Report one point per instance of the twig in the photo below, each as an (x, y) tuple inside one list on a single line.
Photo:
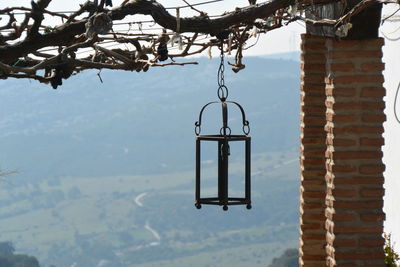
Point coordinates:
[(195, 9), (148, 62)]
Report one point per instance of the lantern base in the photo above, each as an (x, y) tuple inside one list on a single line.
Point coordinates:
[(229, 202)]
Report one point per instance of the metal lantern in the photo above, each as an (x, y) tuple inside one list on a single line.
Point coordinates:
[(223, 139)]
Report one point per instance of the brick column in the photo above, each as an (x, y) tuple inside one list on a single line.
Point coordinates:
[(354, 101), (312, 161)]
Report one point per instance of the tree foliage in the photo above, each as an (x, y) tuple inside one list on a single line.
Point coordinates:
[(289, 258), (32, 48), (6, 248), (391, 256), (9, 259)]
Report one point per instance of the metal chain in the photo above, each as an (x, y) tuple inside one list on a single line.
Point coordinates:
[(221, 78), (222, 89)]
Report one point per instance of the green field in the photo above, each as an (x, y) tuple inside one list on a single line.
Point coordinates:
[(96, 219)]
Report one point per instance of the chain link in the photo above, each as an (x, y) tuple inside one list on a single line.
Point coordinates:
[(222, 89)]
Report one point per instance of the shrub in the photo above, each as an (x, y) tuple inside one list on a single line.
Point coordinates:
[(391, 257)]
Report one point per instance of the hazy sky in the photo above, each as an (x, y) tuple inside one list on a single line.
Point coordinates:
[(288, 39)]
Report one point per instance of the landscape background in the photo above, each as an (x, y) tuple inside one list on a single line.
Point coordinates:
[(106, 170)]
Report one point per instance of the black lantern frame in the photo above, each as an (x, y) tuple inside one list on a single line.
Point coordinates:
[(223, 139)]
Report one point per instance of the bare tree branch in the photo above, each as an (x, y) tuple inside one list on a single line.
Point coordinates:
[(82, 40)]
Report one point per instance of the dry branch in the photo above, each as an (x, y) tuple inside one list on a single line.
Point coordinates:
[(57, 49)]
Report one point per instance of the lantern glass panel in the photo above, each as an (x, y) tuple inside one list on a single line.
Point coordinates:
[(224, 197), (209, 169), (236, 170)]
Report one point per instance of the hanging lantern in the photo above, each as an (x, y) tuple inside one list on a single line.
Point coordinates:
[(223, 139)]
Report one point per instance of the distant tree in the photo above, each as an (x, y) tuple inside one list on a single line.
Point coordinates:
[(6, 248), (74, 193), (5, 173), (19, 261), (289, 258), (9, 259)]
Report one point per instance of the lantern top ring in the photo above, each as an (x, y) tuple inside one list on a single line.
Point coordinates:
[(222, 92), (227, 131), (197, 129), (246, 128)]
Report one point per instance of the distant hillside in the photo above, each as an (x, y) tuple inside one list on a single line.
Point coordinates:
[(132, 122), (106, 173)]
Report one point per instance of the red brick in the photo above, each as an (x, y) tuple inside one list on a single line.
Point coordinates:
[(314, 131), (314, 120), (312, 78), (314, 89), (313, 47), (314, 217), (341, 67), (312, 99), (377, 242), (342, 169), (345, 242), (340, 54), (312, 226), (313, 257), (318, 195), (348, 265), (374, 92), (373, 217), (353, 154), (377, 263), (356, 205), (315, 162), (313, 140), (374, 118), (312, 206), (317, 153), (313, 67), (343, 217), (339, 229), (372, 141), (372, 192), (341, 118), (344, 193), (340, 141), (313, 183), (314, 236), (359, 79), (355, 130), (351, 106), (309, 57), (359, 181), (311, 44), (339, 255), (370, 44), (372, 67), (334, 91), (372, 169), (314, 173), (317, 109)]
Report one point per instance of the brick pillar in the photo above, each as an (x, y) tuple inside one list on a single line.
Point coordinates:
[(312, 160), (354, 101)]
